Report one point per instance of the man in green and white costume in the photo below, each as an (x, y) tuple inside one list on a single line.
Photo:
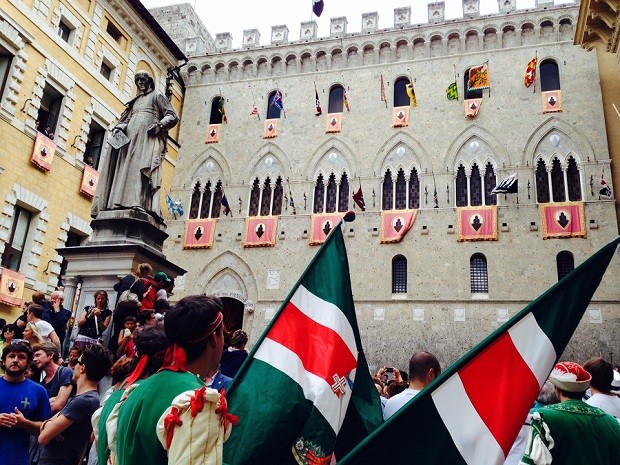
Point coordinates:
[(194, 329), (572, 432)]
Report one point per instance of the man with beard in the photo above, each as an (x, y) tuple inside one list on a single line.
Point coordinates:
[(22, 403)]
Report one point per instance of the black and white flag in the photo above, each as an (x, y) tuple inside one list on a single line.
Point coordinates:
[(507, 186)]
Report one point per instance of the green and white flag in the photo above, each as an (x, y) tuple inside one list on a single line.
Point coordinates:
[(305, 390), (472, 413)]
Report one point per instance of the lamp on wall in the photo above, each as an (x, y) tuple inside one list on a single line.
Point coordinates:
[(79, 136)]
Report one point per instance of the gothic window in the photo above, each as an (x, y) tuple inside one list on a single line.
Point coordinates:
[(278, 192), (399, 274), (414, 189), (336, 99), (273, 112), (217, 200), (461, 187), (194, 204), (206, 201), (215, 116), (557, 181), (475, 186), (343, 194), (573, 180), (265, 205), (254, 198), (565, 263), (542, 183), (401, 99), (401, 190), (489, 184), (332, 189), (549, 75), (470, 93), (478, 277), (388, 191), (319, 195)]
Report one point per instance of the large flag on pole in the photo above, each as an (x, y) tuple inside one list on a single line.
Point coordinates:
[(472, 412), (305, 389), (510, 185)]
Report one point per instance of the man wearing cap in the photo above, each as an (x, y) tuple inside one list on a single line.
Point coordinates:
[(172, 417), (572, 432), (160, 281)]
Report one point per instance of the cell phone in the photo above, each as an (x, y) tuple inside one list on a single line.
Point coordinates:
[(389, 369), (126, 332), (389, 372)]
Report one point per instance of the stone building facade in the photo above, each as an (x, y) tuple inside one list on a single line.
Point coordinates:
[(423, 292), (67, 65)]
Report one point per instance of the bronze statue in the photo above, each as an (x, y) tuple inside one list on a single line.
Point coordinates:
[(132, 163)]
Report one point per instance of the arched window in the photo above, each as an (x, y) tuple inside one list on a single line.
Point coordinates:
[(203, 203), (336, 99), (414, 189), (399, 274), (475, 186), (215, 116), (388, 191), (216, 205), (542, 183), (332, 189), (557, 181), (565, 263), (549, 75), (319, 195), (254, 198), (343, 194), (401, 99), (401, 193), (573, 181), (478, 277), (265, 204), (278, 194), (461, 187), (273, 112), (470, 93), (194, 204), (489, 184), (401, 190)]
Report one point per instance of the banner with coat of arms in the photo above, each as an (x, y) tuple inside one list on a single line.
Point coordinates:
[(334, 122), (552, 101), (322, 225), (472, 106), (213, 133), (270, 128), (395, 224), (199, 233), (11, 287), (260, 231), (43, 152), (563, 219), (477, 223), (90, 178), (400, 117)]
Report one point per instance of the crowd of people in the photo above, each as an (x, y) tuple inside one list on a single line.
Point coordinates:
[(169, 369)]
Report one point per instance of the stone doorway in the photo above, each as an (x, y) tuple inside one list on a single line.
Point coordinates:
[(233, 316)]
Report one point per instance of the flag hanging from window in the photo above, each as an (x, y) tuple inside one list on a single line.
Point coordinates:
[(220, 107), (333, 123), (472, 106), (477, 223), (358, 198), (452, 92), (395, 224), (90, 179), (322, 225), (226, 206), (317, 7), (552, 101), (605, 190), (213, 134), (11, 287), (563, 219), (346, 100), (199, 233), (305, 389), (383, 97), (411, 93), (478, 77), (400, 117), (530, 72), (43, 152), (510, 185), (277, 100), (318, 112), (270, 128)]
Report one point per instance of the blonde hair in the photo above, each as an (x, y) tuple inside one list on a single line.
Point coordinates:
[(35, 332)]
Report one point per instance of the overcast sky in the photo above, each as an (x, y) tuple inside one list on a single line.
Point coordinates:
[(236, 15)]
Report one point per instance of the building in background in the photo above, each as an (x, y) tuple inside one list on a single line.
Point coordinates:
[(66, 72)]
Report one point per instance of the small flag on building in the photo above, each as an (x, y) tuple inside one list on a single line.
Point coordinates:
[(221, 109), (317, 7), (226, 206), (464, 422), (510, 185), (472, 106), (358, 198), (277, 100), (383, 97), (452, 92), (254, 111), (530, 72), (605, 190), (346, 100), (411, 93), (318, 112), (478, 77), (175, 207), (305, 390)]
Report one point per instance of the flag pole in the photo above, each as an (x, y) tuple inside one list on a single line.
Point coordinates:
[(455, 83), (535, 71)]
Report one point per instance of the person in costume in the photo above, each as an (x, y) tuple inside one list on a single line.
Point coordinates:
[(572, 432), (159, 418)]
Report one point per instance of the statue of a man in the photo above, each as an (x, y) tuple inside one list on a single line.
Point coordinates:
[(131, 165)]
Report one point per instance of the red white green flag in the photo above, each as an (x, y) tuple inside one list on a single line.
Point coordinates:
[(472, 413), (305, 390)]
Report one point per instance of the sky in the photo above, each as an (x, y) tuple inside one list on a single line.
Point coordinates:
[(235, 16)]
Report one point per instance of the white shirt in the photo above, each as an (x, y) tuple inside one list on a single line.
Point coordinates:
[(394, 404), (608, 403), (45, 329)]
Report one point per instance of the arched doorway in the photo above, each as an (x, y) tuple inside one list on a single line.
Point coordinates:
[(233, 316)]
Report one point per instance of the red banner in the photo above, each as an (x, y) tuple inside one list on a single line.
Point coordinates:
[(213, 134), (477, 223), (334, 122), (43, 152), (260, 231), (552, 101), (395, 224), (565, 219), (199, 234), (90, 178), (322, 225), (270, 129), (11, 287), (400, 117)]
